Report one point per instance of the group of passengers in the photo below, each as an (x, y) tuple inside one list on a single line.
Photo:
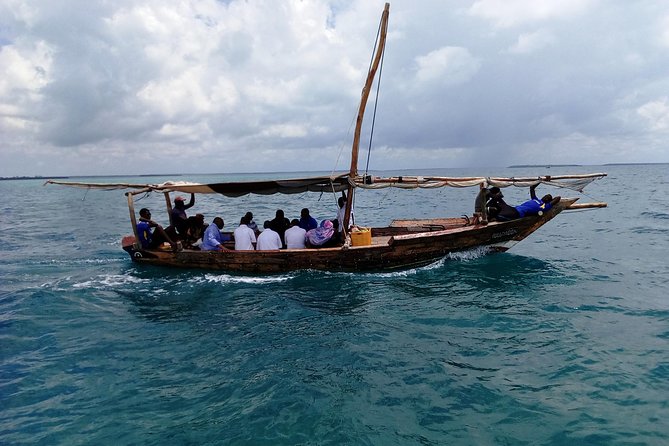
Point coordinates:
[(278, 233)]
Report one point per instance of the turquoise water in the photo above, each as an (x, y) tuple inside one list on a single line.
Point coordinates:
[(561, 341)]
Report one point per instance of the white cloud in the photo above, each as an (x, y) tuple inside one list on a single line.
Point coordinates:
[(89, 87), (656, 114), (531, 42), (508, 13), (664, 30), (449, 65)]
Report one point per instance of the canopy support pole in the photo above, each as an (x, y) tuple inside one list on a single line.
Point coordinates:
[(484, 209), (133, 218), (169, 206)]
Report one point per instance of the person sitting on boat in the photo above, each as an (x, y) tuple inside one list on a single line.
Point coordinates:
[(341, 213), (534, 206), (279, 224), (481, 200), (195, 231), (321, 235), (269, 239), (213, 239), (245, 237), (307, 222), (496, 204), (295, 236), (178, 215), (151, 239), (251, 224)]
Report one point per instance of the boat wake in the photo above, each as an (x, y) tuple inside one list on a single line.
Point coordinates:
[(110, 281), (228, 279), (469, 255)]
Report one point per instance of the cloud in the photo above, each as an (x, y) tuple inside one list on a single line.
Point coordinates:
[(656, 113), (531, 42), (449, 65), (188, 86), (663, 27), (509, 13)]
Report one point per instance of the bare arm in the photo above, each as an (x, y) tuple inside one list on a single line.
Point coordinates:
[(532, 194), (191, 202)]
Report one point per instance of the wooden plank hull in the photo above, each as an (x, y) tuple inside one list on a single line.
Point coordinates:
[(393, 248)]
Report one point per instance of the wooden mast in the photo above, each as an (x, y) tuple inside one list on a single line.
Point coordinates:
[(361, 112)]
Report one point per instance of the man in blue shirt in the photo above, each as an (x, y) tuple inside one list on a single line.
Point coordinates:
[(307, 222), (212, 239), (151, 239), (534, 206)]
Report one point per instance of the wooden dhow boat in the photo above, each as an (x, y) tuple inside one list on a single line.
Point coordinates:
[(403, 244)]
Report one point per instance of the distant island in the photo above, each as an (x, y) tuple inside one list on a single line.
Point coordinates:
[(32, 178), (39, 177), (518, 166)]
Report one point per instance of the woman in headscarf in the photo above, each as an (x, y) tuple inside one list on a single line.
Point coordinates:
[(321, 235)]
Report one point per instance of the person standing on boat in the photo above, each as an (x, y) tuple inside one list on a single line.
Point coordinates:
[(269, 239), (212, 240), (307, 222), (245, 237), (295, 236), (151, 239), (178, 215)]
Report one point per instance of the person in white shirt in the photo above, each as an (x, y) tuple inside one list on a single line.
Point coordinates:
[(295, 236), (245, 238), (341, 213), (269, 239)]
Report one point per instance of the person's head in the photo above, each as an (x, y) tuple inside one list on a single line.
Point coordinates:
[(341, 201), (280, 214), (200, 217), (179, 202), (145, 213), (218, 221), (267, 224), (496, 192), (245, 220), (547, 198), (295, 222), (304, 213), (249, 216), (327, 224)]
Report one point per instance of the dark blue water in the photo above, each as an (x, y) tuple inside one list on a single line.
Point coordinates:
[(562, 341)]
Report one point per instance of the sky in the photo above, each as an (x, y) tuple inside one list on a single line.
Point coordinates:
[(134, 87)]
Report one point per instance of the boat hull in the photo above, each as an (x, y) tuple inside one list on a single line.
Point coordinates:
[(402, 248)]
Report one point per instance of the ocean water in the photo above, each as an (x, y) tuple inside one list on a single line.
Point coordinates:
[(564, 340)]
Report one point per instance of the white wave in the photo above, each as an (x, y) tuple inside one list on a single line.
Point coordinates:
[(109, 280), (470, 254), (80, 261), (225, 278)]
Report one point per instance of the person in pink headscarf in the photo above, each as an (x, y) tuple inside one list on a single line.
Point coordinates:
[(321, 235)]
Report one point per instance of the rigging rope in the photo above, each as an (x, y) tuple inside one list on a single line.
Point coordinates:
[(376, 103), (376, 99)]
